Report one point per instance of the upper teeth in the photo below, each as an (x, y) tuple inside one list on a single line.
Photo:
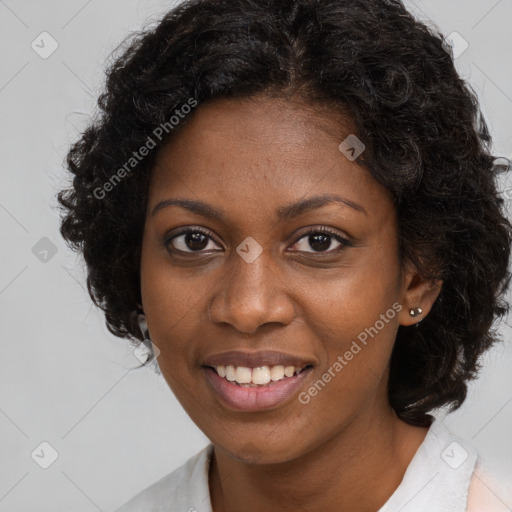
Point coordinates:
[(259, 375)]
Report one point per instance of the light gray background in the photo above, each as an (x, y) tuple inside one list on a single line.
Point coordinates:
[(64, 378)]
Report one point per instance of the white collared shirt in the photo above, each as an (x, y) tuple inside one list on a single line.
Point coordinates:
[(445, 475)]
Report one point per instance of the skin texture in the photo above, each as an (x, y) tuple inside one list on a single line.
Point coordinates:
[(346, 449)]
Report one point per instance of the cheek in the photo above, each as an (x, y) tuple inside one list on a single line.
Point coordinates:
[(352, 298), (353, 317), (169, 292), (355, 339), (173, 310)]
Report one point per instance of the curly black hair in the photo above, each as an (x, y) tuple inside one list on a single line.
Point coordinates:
[(426, 142)]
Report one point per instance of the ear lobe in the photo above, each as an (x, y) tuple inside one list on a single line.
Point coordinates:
[(420, 293)]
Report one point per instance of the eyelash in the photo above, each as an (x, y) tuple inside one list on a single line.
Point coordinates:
[(320, 230)]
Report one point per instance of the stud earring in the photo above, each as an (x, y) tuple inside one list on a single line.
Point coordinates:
[(415, 311)]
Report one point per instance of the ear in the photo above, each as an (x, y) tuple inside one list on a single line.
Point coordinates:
[(417, 292)]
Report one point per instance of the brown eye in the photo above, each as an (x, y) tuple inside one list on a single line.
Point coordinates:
[(189, 240), (321, 239)]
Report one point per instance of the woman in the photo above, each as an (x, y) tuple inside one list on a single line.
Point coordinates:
[(294, 205)]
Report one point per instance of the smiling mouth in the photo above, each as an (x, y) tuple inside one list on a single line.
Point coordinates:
[(260, 376)]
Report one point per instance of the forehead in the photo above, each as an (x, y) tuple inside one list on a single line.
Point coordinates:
[(262, 151)]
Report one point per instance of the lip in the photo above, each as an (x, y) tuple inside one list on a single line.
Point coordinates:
[(255, 359), (254, 399)]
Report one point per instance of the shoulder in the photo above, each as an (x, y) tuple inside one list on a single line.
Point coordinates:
[(186, 488), (489, 491), (438, 476), (474, 485)]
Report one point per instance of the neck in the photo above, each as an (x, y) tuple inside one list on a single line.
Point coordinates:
[(357, 469)]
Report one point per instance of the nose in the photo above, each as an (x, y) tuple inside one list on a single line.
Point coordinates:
[(251, 295)]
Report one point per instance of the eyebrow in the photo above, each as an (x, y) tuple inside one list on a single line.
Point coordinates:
[(284, 212)]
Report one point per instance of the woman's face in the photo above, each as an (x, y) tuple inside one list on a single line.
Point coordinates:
[(259, 278)]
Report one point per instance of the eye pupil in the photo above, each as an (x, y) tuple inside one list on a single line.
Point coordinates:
[(319, 242), (196, 241)]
